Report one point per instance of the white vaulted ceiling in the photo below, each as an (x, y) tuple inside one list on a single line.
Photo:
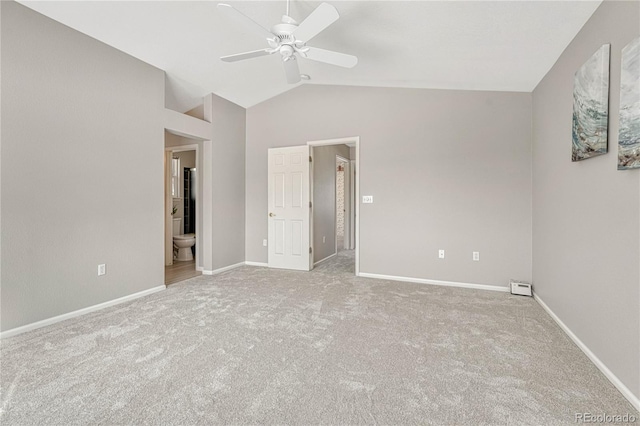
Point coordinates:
[(473, 45)]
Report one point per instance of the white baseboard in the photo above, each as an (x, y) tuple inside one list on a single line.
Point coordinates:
[(326, 258), (435, 282), (265, 265), (633, 399), (53, 320), (223, 269)]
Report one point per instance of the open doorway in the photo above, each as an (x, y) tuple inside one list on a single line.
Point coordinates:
[(334, 189), (182, 245)]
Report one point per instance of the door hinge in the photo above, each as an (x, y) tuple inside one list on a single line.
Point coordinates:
[(310, 159), (310, 204), (310, 250)]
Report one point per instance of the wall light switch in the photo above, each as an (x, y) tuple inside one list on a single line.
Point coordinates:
[(264, 243), (324, 240), (102, 269), (441, 254), (476, 256), (367, 199)]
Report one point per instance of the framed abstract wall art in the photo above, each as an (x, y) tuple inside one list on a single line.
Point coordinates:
[(629, 133), (591, 106)]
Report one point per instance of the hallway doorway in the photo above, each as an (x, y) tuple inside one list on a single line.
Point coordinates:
[(334, 207)]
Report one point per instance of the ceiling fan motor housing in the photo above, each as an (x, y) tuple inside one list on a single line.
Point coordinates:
[(284, 32)]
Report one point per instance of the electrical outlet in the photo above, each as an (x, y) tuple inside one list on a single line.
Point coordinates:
[(264, 243), (476, 256), (102, 269), (441, 254), (367, 199)]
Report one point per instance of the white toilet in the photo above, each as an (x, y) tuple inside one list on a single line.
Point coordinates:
[(182, 242)]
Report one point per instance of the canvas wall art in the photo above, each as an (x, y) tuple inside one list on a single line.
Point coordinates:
[(629, 134), (591, 106)]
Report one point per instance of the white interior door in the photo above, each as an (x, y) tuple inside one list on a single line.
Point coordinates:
[(289, 209)]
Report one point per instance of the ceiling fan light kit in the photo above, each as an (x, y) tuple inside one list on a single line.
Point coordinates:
[(290, 39)]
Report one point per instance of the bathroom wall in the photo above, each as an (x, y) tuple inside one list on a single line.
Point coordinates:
[(81, 121), (187, 159)]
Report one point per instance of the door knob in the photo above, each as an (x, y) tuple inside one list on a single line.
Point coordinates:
[(271, 215)]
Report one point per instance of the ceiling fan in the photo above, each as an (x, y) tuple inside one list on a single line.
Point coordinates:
[(289, 39)]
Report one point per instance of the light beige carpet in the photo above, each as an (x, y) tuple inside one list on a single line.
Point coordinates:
[(256, 346)]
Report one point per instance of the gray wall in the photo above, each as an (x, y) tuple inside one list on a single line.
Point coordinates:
[(82, 170), (324, 198), (586, 215), (229, 134), (448, 170)]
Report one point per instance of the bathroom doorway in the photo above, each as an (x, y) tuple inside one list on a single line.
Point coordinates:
[(181, 197)]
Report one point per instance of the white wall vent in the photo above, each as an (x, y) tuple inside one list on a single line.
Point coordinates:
[(521, 288)]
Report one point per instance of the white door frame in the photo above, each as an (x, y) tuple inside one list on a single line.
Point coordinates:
[(352, 203), (199, 204), (344, 141)]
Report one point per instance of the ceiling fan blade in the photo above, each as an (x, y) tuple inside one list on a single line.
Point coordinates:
[(242, 19), (323, 16), (292, 71), (246, 55), (331, 57)]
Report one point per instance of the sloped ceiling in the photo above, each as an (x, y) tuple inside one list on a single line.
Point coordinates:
[(473, 45)]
